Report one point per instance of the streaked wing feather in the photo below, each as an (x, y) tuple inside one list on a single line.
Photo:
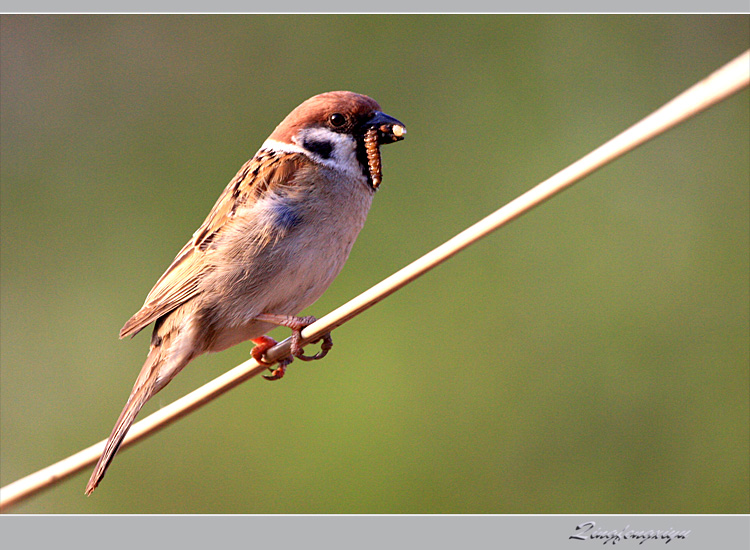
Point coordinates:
[(180, 282)]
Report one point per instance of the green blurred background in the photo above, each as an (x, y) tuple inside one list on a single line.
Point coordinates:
[(590, 357)]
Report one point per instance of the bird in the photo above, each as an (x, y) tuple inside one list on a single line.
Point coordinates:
[(276, 238)]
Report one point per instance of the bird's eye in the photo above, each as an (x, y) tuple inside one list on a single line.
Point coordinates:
[(337, 120)]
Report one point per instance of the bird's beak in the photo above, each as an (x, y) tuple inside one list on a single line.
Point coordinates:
[(389, 129), (381, 129)]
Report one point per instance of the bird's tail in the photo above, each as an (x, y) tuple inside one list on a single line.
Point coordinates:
[(144, 388)]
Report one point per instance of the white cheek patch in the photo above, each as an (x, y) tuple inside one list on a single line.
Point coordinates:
[(340, 148), (338, 151), (321, 145)]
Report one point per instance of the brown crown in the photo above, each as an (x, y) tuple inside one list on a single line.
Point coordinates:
[(317, 109)]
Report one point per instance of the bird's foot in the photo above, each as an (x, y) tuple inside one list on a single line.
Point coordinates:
[(297, 324), (262, 345)]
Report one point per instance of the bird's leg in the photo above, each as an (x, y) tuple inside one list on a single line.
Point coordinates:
[(262, 345), (297, 324)]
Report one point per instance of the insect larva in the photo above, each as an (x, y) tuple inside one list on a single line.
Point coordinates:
[(373, 156)]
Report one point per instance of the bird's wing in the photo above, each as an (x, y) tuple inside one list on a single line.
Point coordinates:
[(265, 172)]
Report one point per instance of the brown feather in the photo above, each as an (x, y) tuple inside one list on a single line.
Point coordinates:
[(275, 239), (266, 171), (142, 391), (320, 107)]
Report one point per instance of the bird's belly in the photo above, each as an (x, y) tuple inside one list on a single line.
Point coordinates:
[(283, 277), (301, 281)]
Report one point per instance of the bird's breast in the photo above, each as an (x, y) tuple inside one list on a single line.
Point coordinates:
[(283, 252)]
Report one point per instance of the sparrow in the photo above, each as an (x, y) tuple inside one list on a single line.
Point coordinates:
[(274, 241)]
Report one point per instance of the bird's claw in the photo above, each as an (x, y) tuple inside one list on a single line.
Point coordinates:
[(325, 347), (297, 324), (278, 372), (262, 345)]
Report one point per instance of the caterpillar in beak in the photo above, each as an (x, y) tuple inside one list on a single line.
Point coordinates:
[(373, 156)]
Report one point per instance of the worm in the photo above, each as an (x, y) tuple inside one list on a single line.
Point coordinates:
[(373, 156)]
